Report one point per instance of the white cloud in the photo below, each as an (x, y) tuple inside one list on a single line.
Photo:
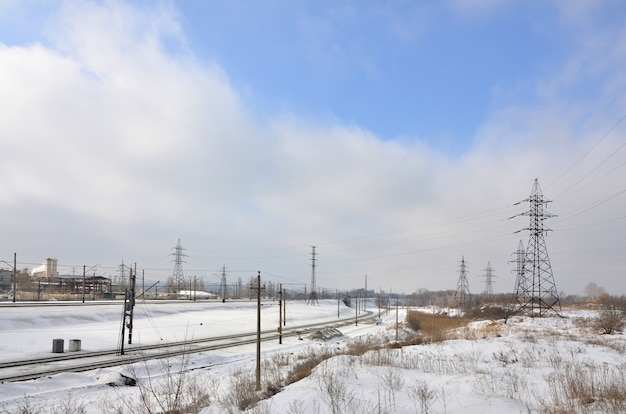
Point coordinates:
[(114, 143)]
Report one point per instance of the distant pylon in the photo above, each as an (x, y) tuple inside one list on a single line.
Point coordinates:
[(489, 281), (313, 294), (462, 294), (178, 278), (535, 290), (520, 290)]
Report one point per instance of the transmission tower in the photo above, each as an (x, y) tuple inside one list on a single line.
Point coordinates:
[(520, 289), (122, 279), (178, 279), (462, 294), (489, 281), (313, 295), (535, 291)]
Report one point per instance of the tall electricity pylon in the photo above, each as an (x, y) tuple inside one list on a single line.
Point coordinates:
[(489, 281), (178, 278), (462, 294), (519, 292), (535, 291), (313, 295)]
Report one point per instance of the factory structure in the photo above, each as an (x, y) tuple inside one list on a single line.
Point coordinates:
[(45, 282)]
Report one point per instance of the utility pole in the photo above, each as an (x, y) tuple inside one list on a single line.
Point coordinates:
[(356, 311), (284, 307), (366, 295), (280, 314), (14, 276), (129, 303), (133, 276), (313, 294), (223, 283), (396, 317), (337, 294), (258, 289), (84, 283)]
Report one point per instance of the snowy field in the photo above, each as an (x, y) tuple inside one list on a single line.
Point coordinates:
[(549, 365)]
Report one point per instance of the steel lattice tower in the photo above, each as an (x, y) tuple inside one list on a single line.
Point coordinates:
[(520, 288), (489, 280), (535, 290), (178, 278), (313, 295), (462, 294)]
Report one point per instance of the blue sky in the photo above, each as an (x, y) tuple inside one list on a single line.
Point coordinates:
[(397, 69), (395, 136)]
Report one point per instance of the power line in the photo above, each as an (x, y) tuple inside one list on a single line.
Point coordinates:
[(606, 134)]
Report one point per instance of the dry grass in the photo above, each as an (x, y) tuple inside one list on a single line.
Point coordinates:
[(434, 327), (582, 387), (307, 363)]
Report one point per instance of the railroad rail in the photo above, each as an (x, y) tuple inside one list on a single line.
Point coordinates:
[(23, 370)]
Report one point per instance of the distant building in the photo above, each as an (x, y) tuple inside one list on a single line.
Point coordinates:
[(47, 269), (6, 277)]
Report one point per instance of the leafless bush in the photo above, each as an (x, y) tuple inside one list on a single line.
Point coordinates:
[(335, 393), (24, 406), (394, 382), (515, 384), (360, 346), (486, 384), (379, 357), (296, 407), (68, 405), (611, 315), (443, 397), (172, 390), (422, 396), (241, 392), (529, 357), (505, 357)]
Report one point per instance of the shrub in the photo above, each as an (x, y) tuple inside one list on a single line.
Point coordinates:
[(611, 315)]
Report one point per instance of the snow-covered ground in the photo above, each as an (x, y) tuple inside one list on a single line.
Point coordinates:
[(526, 365)]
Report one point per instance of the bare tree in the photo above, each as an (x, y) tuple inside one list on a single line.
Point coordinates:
[(611, 316)]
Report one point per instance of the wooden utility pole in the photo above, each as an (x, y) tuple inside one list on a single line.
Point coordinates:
[(280, 314), (84, 283), (284, 307), (133, 276), (14, 276), (396, 317), (258, 289)]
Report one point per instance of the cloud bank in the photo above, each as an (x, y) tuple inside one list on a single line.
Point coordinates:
[(117, 140)]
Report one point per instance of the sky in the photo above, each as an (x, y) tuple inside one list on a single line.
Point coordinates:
[(395, 137)]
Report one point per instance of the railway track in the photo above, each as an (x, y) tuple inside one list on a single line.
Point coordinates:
[(22, 370)]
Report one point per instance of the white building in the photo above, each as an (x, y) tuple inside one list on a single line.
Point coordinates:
[(47, 269)]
